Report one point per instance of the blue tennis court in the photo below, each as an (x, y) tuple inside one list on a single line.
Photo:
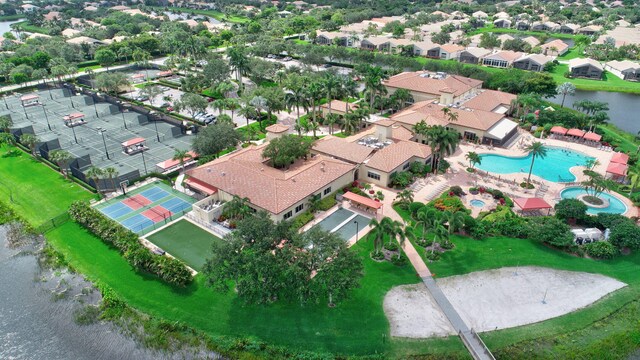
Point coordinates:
[(154, 194), (175, 205), (137, 223), (116, 210)]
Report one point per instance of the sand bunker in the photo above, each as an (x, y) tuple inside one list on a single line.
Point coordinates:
[(494, 299)]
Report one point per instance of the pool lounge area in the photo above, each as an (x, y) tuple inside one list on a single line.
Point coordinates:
[(612, 204), (554, 167)]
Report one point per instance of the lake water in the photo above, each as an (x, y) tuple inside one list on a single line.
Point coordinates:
[(623, 108), (34, 326), (6, 26), (184, 16)]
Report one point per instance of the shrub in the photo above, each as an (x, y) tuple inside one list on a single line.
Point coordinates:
[(432, 256), (625, 234), (448, 203), (447, 244), (399, 260), (424, 242), (109, 231), (551, 231), (414, 207), (570, 209), (601, 250), (377, 255), (401, 179), (302, 219), (611, 220), (479, 230), (327, 203), (456, 190), (391, 245)]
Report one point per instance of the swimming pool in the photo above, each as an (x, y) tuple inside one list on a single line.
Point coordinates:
[(343, 223), (477, 203), (553, 167), (615, 206)]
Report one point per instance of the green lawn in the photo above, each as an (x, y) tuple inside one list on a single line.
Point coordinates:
[(492, 29), (185, 241), (610, 82), (628, 142), (39, 192), (573, 53), (26, 26)]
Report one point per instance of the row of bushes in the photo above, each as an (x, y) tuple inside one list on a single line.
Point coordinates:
[(302, 219), (168, 269)]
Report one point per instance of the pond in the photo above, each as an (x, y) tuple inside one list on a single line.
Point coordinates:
[(6, 26), (623, 108)]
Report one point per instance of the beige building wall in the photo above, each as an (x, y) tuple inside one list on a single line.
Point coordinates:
[(385, 177)]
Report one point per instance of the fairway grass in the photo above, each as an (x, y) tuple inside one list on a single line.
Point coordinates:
[(610, 82), (39, 193), (185, 241)]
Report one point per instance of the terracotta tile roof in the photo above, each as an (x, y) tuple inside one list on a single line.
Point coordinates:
[(432, 114), (506, 55), (246, 174), (385, 122), (488, 100), (477, 51), (531, 40), (623, 65), (558, 44), (395, 154), (415, 82), (277, 128), (342, 149), (537, 58), (578, 62), (339, 105), (451, 48), (399, 132)]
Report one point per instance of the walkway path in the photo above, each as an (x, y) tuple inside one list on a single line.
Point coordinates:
[(471, 340)]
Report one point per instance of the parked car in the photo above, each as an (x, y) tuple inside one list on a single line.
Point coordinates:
[(170, 108), (326, 66), (142, 98), (287, 58), (210, 120)]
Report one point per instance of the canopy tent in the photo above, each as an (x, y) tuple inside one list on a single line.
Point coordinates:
[(620, 158), (617, 169), (134, 146), (165, 73), (74, 119), (134, 141), (558, 130), (28, 100), (501, 129), (575, 132), (594, 233), (531, 204), (362, 200), (171, 163), (200, 186), (591, 136)]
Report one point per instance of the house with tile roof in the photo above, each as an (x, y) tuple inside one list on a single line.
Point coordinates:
[(502, 23), (532, 62), (472, 55), (490, 100), (445, 52), (586, 68), (424, 85), (472, 124), (283, 193), (501, 59), (555, 48), (625, 70)]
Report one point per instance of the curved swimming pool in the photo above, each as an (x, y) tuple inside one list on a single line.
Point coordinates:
[(553, 167), (615, 205)]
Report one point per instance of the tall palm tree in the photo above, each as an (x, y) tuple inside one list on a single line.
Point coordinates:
[(95, 173), (451, 115), (441, 140), (373, 77), (30, 141), (248, 111), (403, 233), (399, 98), (111, 174), (349, 89), (353, 120), (181, 156), (565, 89), (474, 159), (296, 98), (440, 235), (260, 104), (537, 149), (455, 220), (380, 229), (62, 158), (237, 208), (314, 92), (634, 180), (331, 85), (238, 60), (404, 198)]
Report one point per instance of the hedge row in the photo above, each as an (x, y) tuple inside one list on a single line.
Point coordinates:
[(166, 268)]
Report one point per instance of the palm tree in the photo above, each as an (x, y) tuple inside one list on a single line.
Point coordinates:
[(62, 158), (634, 180), (260, 104), (181, 156), (404, 198), (440, 235), (474, 159), (238, 60), (349, 89), (95, 173), (450, 114), (565, 89), (237, 208), (313, 92), (248, 111), (5, 123), (112, 175), (331, 85), (401, 234), (124, 52), (7, 139), (373, 76), (537, 149), (380, 229), (441, 140), (232, 105), (30, 141), (455, 220), (296, 98), (352, 121), (399, 98)]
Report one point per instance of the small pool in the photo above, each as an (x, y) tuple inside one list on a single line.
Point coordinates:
[(553, 167), (615, 205), (477, 203), (343, 223)]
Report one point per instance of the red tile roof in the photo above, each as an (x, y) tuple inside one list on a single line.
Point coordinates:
[(620, 158), (559, 130), (617, 169), (527, 204), (415, 82), (362, 200)]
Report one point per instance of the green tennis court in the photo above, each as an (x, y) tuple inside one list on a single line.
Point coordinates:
[(186, 242)]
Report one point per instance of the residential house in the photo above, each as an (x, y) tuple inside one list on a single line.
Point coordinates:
[(532, 62), (52, 16), (625, 70), (342, 149), (502, 23), (84, 40), (284, 193), (459, 15), (423, 85), (472, 55), (490, 100), (501, 15), (488, 127), (445, 52), (422, 48), (589, 30), (379, 43), (91, 8), (544, 26), (555, 48), (586, 68), (568, 28), (531, 40), (335, 37), (480, 15), (338, 107), (622, 35), (502, 59), (69, 33), (504, 37), (28, 8), (523, 25)]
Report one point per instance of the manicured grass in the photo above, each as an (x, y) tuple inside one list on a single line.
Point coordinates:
[(356, 326), (490, 28), (39, 193), (610, 82), (627, 142), (26, 26), (11, 17), (573, 53), (186, 242)]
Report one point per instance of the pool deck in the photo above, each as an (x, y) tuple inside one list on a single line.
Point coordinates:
[(321, 215), (507, 182)]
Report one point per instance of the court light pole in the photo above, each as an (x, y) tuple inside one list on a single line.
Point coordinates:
[(74, 133), (95, 108), (357, 229), (46, 116), (105, 143), (124, 121), (5, 102), (155, 122), (143, 162)]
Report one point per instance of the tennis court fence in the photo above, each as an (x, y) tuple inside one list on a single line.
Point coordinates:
[(53, 223), (143, 229)]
